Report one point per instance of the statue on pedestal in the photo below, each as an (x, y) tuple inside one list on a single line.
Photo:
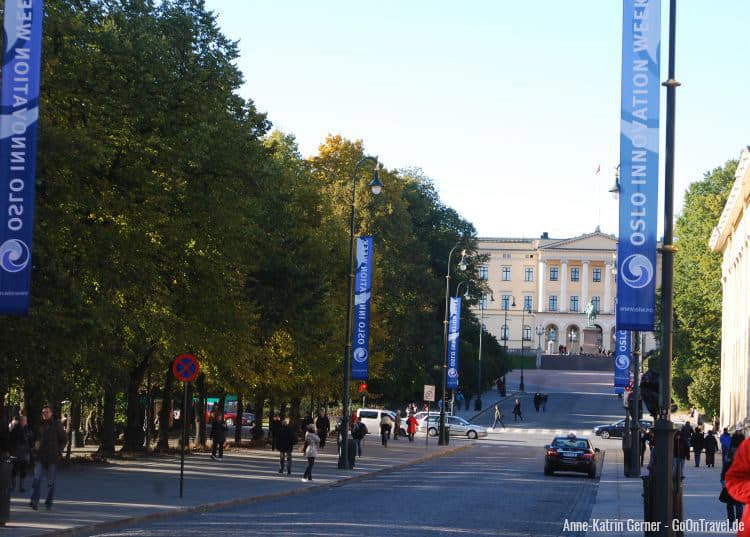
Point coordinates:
[(591, 312)]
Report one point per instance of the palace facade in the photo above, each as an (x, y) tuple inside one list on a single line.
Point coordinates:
[(539, 289)]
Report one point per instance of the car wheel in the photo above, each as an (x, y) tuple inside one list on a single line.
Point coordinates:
[(230, 422), (432, 431), (605, 434), (548, 471), (472, 434)]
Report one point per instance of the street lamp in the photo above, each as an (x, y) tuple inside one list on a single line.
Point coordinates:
[(376, 187), (443, 435), (505, 331), (615, 190), (539, 334), (482, 302), (523, 320)]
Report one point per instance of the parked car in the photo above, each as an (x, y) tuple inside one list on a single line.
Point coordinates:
[(456, 425), (570, 454), (617, 429), (230, 415), (371, 418)]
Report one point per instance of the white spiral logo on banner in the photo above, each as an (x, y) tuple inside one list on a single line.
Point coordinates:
[(452, 373), (637, 271), (14, 255), (622, 361), (360, 354)]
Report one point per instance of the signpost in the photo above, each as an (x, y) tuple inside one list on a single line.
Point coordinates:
[(186, 368), (428, 395)]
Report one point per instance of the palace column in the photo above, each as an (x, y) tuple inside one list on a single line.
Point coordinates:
[(564, 285), (607, 307), (541, 304), (585, 284)]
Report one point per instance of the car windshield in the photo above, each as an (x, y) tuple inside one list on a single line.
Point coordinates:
[(570, 443)]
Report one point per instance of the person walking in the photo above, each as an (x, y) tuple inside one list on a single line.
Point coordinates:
[(21, 440), (386, 423), (323, 426), (711, 446), (49, 440), (358, 433), (681, 454), (537, 401), (273, 431), (544, 402), (285, 443), (498, 417), (411, 427), (725, 440), (397, 425), (218, 433), (517, 411), (735, 508), (90, 426), (696, 440), (310, 449)]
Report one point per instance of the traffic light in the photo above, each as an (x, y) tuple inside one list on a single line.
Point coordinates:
[(650, 391)]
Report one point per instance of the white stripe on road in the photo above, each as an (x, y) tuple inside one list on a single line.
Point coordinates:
[(552, 432)]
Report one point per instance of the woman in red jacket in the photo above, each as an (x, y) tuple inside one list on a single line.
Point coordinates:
[(738, 484)]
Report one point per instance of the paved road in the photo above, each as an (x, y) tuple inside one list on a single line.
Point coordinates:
[(495, 488)]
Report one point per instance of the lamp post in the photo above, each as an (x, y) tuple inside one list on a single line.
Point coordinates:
[(523, 321), (443, 434), (376, 187), (664, 429), (478, 404), (505, 329), (539, 334)]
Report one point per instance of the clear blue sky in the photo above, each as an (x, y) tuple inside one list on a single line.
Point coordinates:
[(508, 106)]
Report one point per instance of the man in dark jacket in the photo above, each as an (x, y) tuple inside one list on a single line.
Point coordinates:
[(49, 442), (323, 425), (285, 443)]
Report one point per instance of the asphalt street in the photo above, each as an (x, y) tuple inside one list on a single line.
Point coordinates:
[(494, 488)]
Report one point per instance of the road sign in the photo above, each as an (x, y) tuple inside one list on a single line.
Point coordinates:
[(429, 393), (185, 367)]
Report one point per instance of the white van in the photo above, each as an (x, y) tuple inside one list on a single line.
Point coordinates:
[(371, 418)]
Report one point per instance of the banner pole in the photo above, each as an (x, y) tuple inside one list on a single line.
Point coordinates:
[(184, 433)]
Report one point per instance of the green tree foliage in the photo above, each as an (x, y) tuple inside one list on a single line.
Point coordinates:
[(697, 290)]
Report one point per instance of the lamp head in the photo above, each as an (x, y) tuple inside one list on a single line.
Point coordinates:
[(376, 186), (615, 190), (462, 263), (513, 305)]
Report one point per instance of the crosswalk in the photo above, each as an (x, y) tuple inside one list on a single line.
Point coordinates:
[(547, 432)]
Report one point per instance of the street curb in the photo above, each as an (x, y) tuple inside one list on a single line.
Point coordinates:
[(83, 531)]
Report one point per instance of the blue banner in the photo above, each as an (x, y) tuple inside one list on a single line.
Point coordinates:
[(622, 360), (454, 326), (361, 328), (18, 139), (639, 162)]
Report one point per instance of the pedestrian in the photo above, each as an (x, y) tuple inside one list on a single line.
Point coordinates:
[(21, 440), (218, 433), (645, 435), (517, 411), (49, 440), (545, 397), (687, 432), (323, 426), (397, 425), (681, 454), (498, 417), (310, 449), (358, 433), (411, 427), (91, 426), (725, 439), (696, 440), (735, 508), (386, 423), (307, 420), (285, 443), (537, 401), (273, 431), (711, 446)]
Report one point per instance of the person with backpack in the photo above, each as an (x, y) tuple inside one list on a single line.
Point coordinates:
[(386, 424), (358, 433)]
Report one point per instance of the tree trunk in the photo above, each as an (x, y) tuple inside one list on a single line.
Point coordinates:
[(238, 423), (200, 411), (108, 426), (134, 426), (76, 412), (258, 411), (165, 414), (282, 410), (294, 413)]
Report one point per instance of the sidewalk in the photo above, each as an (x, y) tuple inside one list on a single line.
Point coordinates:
[(93, 497), (619, 499)]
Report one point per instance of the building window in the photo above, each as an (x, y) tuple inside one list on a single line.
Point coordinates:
[(506, 302), (528, 274), (527, 333), (483, 302), (575, 274), (573, 303), (553, 302), (597, 274), (528, 302), (483, 273), (504, 332), (596, 301), (506, 256), (506, 274), (553, 274)]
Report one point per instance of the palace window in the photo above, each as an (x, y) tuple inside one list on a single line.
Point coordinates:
[(506, 302), (553, 302), (597, 302), (573, 303), (575, 274), (527, 333), (553, 274), (528, 274), (504, 332), (483, 302), (597, 274), (528, 302), (506, 274)]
